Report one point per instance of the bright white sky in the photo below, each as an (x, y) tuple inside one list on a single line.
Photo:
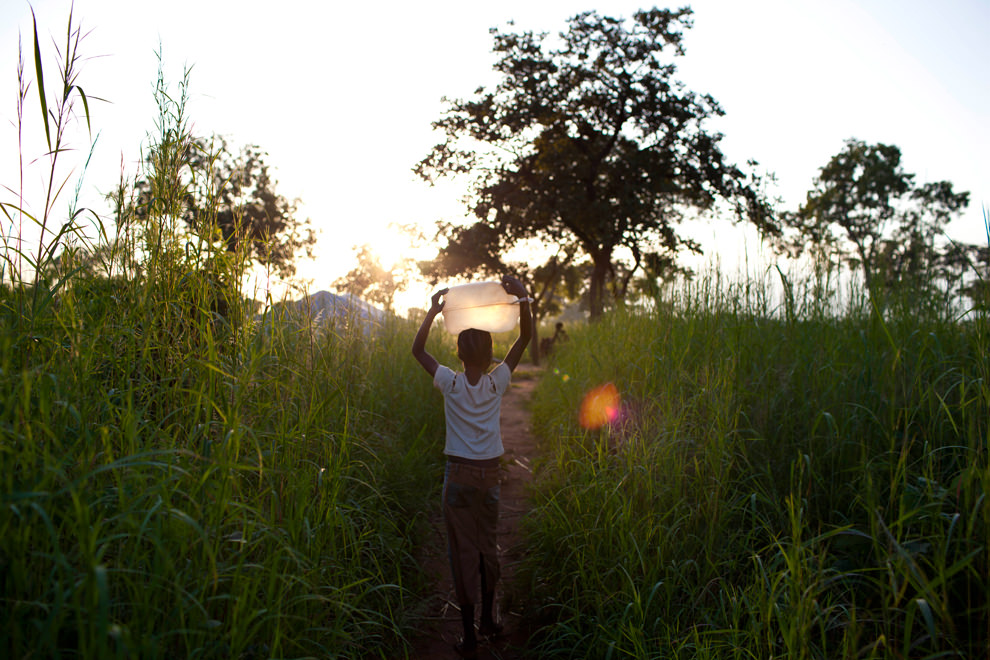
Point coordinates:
[(342, 96)]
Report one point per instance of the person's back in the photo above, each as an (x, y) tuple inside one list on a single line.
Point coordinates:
[(472, 399)]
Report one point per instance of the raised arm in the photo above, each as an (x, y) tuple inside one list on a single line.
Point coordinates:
[(419, 343), (516, 288)]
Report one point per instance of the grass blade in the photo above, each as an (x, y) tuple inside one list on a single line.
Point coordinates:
[(41, 80)]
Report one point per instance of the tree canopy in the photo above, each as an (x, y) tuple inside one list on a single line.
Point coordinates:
[(873, 214), (232, 197), (588, 139)]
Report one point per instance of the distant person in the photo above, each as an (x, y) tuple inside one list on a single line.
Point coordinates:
[(472, 404), (547, 343)]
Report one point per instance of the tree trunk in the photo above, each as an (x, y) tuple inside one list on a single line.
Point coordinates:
[(867, 258), (597, 286), (534, 343)]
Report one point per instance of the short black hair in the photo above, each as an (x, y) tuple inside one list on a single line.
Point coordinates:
[(475, 347)]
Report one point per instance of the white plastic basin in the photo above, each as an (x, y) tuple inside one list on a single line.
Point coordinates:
[(480, 305)]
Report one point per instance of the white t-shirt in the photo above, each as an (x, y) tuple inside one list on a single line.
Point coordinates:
[(472, 411)]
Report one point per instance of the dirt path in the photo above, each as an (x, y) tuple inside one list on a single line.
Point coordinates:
[(442, 623)]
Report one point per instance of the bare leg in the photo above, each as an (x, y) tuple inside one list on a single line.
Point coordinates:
[(488, 627), (468, 648)]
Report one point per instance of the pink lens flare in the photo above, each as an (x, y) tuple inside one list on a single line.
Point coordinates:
[(600, 407)]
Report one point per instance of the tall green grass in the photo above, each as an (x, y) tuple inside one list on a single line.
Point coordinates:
[(808, 480), (185, 473), (180, 477)]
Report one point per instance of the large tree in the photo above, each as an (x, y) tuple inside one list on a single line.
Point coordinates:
[(870, 211), (231, 196), (589, 138)]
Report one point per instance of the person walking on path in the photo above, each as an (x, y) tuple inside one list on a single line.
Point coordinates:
[(473, 446)]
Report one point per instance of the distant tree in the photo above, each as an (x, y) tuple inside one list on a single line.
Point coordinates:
[(589, 139), (658, 268), (558, 281), (967, 267), (865, 206), (372, 282), (231, 197)]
